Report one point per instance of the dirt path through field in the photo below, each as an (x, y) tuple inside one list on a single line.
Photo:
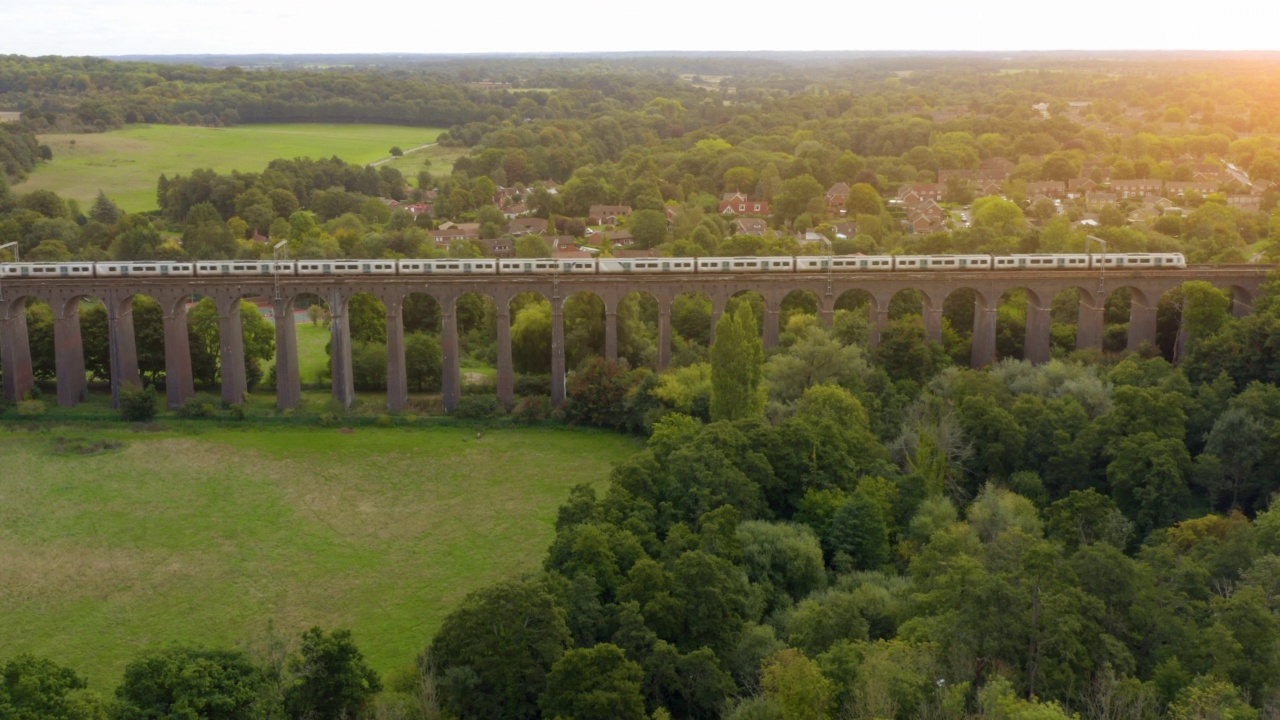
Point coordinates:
[(385, 160)]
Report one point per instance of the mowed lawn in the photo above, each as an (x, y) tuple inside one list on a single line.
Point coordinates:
[(127, 163), (211, 538)]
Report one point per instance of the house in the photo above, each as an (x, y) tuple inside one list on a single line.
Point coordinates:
[(929, 208), (1145, 214), (607, 214), (744, 207), (443, 238), (1251, 203), (845, 229), (733, 197), (809, 237), (923, 224), (912, 195), (1180, 188), (527, 226), (508, 196), (1095, 201), (1137, 188), (987, 187), (417, 209), (514, 211), (499, 247), (620, 238), (1081, 185), (672, 211), (837, 195), (750, 226), (1048, 188), (1038, 197)]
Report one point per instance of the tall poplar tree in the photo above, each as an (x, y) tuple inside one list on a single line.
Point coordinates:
[(737, 366)]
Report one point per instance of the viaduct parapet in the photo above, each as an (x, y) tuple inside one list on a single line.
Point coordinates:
[(64, 296)]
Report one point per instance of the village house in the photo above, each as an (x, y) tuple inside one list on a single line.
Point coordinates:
[(508, 196), (1251, 203), (1080, 186), (1095, 201), (845, 229), (1137, 188), (1048, 188), (913, 195), (619, 238), (564, 247), (499, 247), (512, 212), (922, 224), (607, 214), (741, 206), (443, 238), (984, 188), (750, 226), (1179, 188), (837, 195), (527, 226)]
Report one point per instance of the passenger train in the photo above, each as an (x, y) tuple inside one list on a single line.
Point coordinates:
[(601, 266)]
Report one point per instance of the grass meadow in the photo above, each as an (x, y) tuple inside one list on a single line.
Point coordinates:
[(211, 535), (127, 163)]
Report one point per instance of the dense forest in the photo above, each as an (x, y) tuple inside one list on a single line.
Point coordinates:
[(826, 530)]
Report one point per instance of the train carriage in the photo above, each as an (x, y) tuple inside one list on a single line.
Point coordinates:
[(532, 266), (144, 269), (346, 267), (448, 267), (644, 266), (862, 263), (745, 264), (47, 270), (242, 268)]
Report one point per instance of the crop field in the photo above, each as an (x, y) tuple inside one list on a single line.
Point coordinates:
[(127, 163), (209, 535)]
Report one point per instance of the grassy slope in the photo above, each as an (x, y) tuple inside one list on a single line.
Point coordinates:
[(206, 538), (127, 163)]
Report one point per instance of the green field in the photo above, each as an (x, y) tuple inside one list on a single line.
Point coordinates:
[(206, 536), (127, 163)]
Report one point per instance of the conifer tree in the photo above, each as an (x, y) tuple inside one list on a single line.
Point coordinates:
[(737, 367)]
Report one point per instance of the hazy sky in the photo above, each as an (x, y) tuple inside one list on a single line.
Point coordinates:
[(121, 27)]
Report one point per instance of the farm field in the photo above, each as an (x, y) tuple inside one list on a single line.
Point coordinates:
[(127, 163), (208, 535)]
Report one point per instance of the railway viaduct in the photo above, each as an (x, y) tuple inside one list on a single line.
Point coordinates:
[(64, 296)]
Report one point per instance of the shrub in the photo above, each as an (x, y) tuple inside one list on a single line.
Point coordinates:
[(194, 407), (526, 385), (138, 404), (533, 409), (597, 395), (31, 408), (329, 420), (483, 387), (236, 411), (477, 407)]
